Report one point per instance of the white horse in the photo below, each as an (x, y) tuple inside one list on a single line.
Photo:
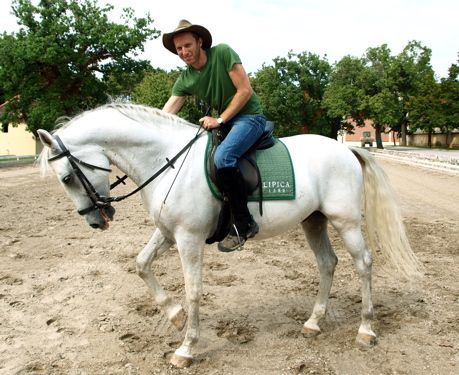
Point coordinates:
[(329, 177)]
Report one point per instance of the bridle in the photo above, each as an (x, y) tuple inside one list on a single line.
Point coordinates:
[(99, 201)]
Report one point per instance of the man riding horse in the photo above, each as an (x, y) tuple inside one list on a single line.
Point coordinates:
[(216, 76)]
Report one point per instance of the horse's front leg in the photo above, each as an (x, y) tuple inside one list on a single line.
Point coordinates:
[(157, 245), (190, 250)]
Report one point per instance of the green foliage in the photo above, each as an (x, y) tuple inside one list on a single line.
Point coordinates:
[(155, 89), (436, 104), (280, 99), (122, 77), (378, 86), (291, 92), (424, 107), (344, 96), (66, 57), (449, 88)]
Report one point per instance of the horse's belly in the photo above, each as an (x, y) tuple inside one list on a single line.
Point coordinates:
[(281, 216)]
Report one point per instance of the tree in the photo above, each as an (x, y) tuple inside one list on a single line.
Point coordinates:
[(424, 108), (344, 96), (378, 86), (381, 100), (449, 99), (155, 89), (436, 104), (411, 70), (121, 79), (66, 57), (281, 99), (291, 92)]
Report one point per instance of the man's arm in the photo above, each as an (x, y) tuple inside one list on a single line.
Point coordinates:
[(244, 91), (174, 104)]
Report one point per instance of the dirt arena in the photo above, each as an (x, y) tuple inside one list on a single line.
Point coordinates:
[(71, 302)]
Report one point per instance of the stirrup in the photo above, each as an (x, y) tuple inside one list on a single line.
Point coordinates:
[(238, 242)]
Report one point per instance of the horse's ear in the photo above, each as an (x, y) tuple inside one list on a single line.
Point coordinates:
[(46, 138)]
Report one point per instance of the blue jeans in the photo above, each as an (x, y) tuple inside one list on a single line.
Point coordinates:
[(245, 130)]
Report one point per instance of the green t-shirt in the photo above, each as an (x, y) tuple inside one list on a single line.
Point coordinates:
[(213, 84)]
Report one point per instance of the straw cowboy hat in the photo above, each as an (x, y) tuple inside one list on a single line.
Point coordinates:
[(186, 26)]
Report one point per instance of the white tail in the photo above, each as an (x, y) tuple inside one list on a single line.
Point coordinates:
[(385, 227)]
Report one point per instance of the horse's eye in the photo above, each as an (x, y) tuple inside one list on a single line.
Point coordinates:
[(67, 179)]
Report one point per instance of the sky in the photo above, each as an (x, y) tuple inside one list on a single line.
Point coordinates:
[(261, 30)]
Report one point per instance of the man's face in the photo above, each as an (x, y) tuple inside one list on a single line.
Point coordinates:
[(188, 47)]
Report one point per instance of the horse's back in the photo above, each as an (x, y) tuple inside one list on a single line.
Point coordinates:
[(326, 172), (318, 156)]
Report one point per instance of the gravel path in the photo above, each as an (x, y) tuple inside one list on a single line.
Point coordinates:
[(434, 159)]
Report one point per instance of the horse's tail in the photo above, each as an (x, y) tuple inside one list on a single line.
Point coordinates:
[(384, 223)]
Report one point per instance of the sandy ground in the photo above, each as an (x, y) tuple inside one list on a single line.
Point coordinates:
[(71, 302)]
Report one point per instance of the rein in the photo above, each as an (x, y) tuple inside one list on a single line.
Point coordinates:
[(98, 201), (170, 163)]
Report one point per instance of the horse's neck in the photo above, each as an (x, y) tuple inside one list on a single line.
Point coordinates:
[(145, 149), (135, 148)]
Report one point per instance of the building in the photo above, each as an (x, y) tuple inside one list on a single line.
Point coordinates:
[(366, 133), (17, 141)]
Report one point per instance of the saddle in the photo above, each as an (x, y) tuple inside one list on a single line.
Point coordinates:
[(249, 171)]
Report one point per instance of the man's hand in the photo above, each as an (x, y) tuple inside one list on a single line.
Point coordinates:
[(208, 122)]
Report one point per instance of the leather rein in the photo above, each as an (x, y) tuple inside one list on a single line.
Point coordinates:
[(99, 201)]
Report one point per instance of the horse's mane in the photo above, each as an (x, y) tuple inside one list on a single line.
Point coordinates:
[(146, 115), (140, 113), (137, 112)]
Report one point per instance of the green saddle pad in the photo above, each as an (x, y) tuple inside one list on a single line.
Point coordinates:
[(276, 170)]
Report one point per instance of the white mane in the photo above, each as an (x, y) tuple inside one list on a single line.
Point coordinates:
[(137, 112), (146, 115)]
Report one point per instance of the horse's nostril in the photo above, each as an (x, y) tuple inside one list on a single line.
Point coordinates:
[(110, 211), (94, 226)]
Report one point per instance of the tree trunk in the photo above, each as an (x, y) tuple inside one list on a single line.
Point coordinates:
[(403, 139), (378, 137), (448, 138), (334, 131)]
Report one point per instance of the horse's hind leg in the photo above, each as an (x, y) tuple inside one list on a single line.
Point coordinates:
[(154, 248), (315, 228), (351, 233)]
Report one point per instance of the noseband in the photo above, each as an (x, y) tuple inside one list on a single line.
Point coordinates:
[(99, 201)]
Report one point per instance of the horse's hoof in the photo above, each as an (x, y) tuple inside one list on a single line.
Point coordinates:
[(179, 319), (365, 340), (181, 362), (309, 332)]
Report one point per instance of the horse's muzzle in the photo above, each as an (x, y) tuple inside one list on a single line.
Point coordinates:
[(106, 215)]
